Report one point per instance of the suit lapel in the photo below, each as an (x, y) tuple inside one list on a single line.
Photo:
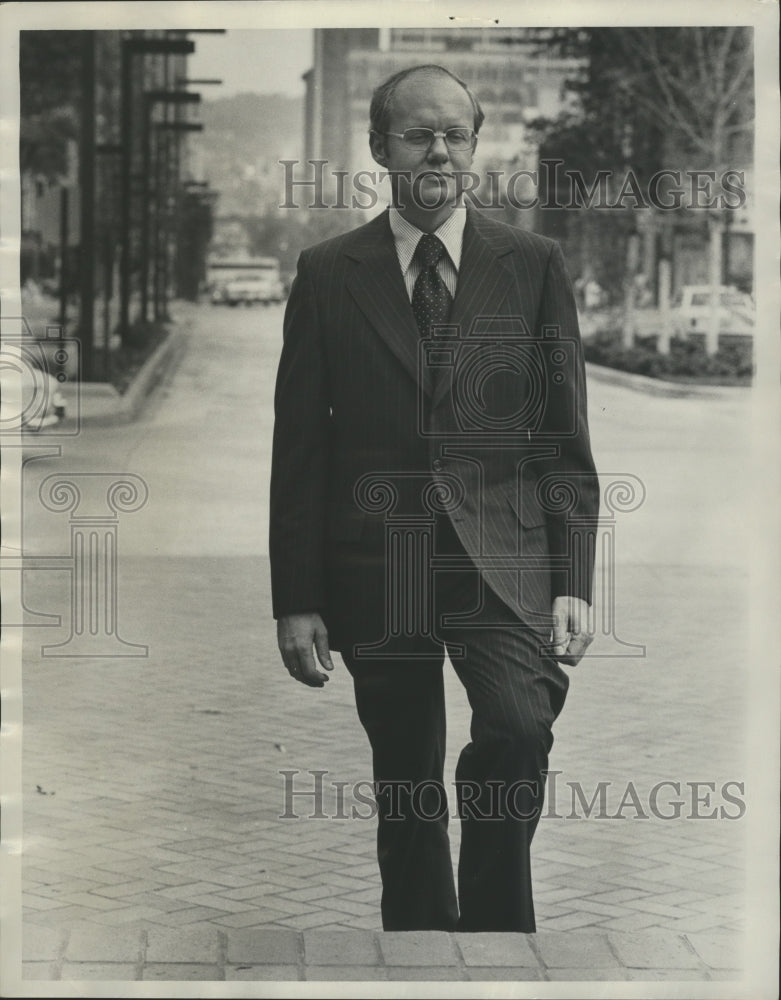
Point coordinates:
[(377, 285)]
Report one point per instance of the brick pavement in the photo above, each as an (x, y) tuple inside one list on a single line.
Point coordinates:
[(87, 952), (164, 812), (153, 793)]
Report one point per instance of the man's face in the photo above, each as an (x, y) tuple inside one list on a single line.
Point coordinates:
[(425, 179)]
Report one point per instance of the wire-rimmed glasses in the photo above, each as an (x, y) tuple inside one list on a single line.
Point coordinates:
[(419, 138)]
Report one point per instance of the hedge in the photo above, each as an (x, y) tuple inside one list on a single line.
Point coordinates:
[(687, 361)]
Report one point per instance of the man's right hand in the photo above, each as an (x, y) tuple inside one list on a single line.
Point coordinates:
[(296, 635)]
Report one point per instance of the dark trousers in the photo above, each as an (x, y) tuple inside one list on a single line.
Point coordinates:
[(515, 695)]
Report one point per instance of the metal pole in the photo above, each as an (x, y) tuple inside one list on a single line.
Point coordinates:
[(108, 275), (127, 155), (131, 46), (145, 179), (156, 232), (165, 194), (177, 210), (87, 183), (63, 257)]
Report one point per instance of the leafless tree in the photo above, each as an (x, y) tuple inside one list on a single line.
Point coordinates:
[(697, 82)]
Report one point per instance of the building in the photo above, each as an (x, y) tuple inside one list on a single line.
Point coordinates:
[(104, 121), (511, 70)]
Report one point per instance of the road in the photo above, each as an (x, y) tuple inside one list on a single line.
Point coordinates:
[(153, 785)]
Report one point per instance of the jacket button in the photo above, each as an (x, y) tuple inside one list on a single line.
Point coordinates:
[(438, 465)]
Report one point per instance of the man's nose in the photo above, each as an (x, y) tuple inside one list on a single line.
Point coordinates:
[(438, 151)]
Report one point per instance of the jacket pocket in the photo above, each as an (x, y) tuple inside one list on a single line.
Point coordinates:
[(527, 508)]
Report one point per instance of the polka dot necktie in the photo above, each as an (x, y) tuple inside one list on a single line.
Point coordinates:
[(431, 300)]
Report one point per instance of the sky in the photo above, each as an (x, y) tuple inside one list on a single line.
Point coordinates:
[(263, 61)]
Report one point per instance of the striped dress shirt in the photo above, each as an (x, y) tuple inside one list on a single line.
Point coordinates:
[(406, 237)]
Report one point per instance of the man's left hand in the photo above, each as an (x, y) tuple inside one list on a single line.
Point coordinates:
[(572, 634)]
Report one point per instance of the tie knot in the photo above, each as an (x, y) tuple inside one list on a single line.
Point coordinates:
[(430, 250)]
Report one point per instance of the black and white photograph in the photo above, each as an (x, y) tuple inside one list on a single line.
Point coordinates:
[(390, 485)]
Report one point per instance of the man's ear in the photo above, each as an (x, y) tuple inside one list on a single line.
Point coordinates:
[(377, 147)]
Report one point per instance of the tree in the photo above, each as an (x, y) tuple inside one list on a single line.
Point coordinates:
[(643, 92), (698, 83), (653, 97), (50, 86)]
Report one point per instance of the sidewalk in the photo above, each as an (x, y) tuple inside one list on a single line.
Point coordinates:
[(95, 953), (100, 403), (159, 826), (154, 787)]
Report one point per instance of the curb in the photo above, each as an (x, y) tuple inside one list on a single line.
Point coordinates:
[(162, 360), (658, 387), (99, 403)]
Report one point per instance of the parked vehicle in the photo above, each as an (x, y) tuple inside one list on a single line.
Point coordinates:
[(245, 281), (43, 404), (691, 311), (253, 288)]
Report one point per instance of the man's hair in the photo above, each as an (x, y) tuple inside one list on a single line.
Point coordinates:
[(382, 98)]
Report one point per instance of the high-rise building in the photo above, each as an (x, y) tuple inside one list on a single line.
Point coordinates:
[(512, 71), (327, 111)]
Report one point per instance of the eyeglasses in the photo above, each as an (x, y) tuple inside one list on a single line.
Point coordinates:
[(456, 139)]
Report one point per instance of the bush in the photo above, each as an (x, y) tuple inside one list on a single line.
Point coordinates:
[(687, 360)]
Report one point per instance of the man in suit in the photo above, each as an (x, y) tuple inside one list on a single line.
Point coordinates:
[(433, 489)]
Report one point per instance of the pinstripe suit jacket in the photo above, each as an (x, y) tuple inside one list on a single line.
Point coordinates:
[(368, 416)]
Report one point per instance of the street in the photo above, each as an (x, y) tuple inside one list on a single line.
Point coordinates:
[(154, 785)]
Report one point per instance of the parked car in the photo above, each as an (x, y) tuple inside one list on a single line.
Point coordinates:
[(265, 288), (691, 310), (235, 280), (43, 404)]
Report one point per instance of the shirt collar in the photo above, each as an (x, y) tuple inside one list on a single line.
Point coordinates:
[(406, 236)]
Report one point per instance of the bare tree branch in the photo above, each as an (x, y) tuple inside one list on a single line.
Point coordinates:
[(694, 98), (747, 126)]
